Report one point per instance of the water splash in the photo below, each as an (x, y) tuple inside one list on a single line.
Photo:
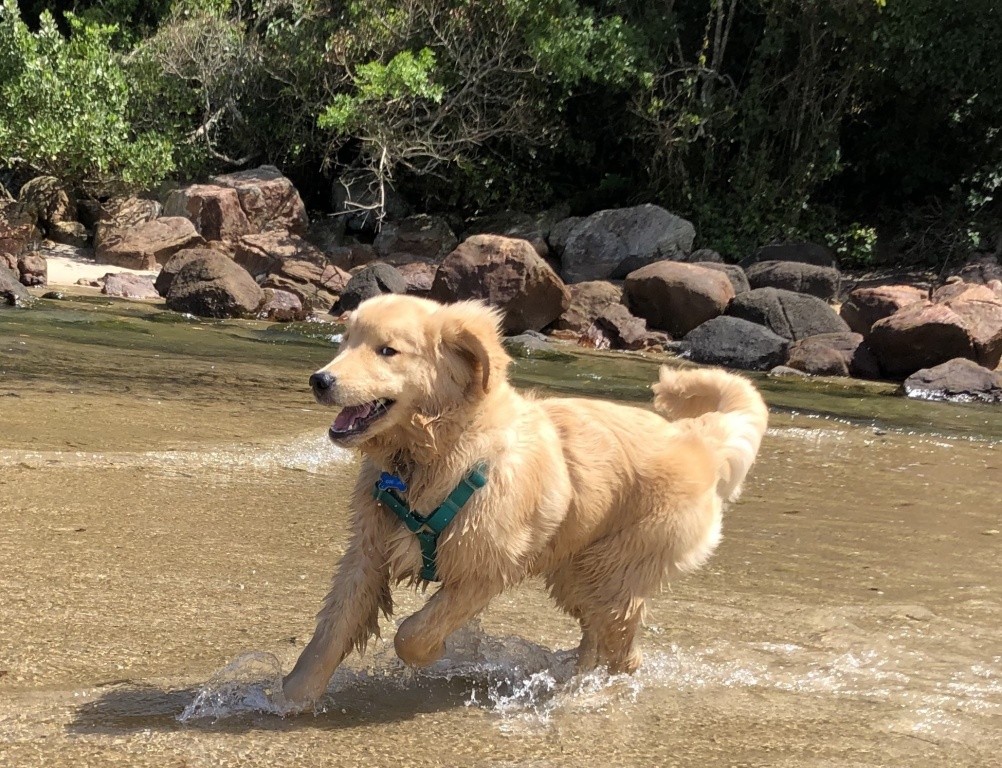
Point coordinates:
[(251, 683)]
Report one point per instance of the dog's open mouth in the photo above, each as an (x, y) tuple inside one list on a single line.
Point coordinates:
[(356, 419)]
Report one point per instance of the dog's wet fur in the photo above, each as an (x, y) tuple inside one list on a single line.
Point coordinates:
[(604, 501)]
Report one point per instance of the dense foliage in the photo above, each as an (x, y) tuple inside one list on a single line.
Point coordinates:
[(873, 124)]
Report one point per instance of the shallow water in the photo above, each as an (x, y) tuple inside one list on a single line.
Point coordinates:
[(170, 513)]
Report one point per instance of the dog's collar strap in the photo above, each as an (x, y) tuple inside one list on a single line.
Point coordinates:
[(429, 528)]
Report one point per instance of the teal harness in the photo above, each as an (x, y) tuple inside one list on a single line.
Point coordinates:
[(427, 529)]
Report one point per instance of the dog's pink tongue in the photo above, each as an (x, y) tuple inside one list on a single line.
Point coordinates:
[(349, 415)]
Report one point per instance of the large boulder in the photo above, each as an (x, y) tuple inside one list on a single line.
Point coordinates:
[(737, 276), (676, 297), (416, 238), (834, 354), (12, 293), (268, 199), (865, 306), (215, 211), (921, 335), (960, 380), (981, 269), (264, 253), (958, 290), (560, 232), (128, 286), (18, 233), (420, 277), (588, 300), (48, 200), (736, 343), (166, 275), (123, 213), (822, 282), (148, 244), (792, 315), (984, 323), (370, 281), (803, 253), (214, 286), (517, 224), (508, 274), (598, 245)]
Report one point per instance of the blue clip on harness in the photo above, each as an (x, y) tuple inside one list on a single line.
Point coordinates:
[(427, 529)]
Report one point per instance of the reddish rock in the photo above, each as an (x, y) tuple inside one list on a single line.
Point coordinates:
[(984, 322), (921, 335), (507, 273), (834, 354), (17, 232), (420, 277), (119, 213), (958, 290), (622, 329), (588, 300), (265, 253), (268, 199), (33, 268), (281, 306), (865, 306), (214, 286), (129, 286), (351, 256), (215, 211), (317, 286), (146, 245), (48, 200), (677, 297)]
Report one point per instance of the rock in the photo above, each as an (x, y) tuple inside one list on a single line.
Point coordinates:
[(597, 246), (318, 286), (420, 277), (264, 253), (86, 282), (372, 280), (981, 269), (508, 274), (739, 281), (69, 233), (48, 200), (215, 211), (416, 238), (268, 199), (791, 315), (920, 335), (129, 286), (528, 342), (557, 239), (812, 355), (588, 300), (32, 268), (352, 255), (326, 233), (812, 279), (214, 286), (12, 293), (958, 290), (125, 213), (705, 256), (166, 275), (358, 197), (148, 244), (676, 297), (522, 226), (281, 306), (865, 306), (958, 379), (622, 329), (785, 370), (18, 232), (984, 323), (54, 295), (803, 253), (736, 343)]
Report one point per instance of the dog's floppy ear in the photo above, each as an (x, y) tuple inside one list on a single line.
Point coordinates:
[(472, 330)]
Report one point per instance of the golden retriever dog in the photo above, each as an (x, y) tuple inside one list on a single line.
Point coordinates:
[(602, 500)]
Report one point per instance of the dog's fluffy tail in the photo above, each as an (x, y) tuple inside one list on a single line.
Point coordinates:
[(730, 412)]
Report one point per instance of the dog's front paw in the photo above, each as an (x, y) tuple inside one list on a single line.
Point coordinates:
[(302, 690)]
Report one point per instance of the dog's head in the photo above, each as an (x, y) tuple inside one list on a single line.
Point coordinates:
[(407, 361)]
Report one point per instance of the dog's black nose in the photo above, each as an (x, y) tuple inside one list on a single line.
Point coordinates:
[(321, 381)]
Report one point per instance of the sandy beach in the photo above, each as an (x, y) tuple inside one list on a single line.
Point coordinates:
[(67, 265)]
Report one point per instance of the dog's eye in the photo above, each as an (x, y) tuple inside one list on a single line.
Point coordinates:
[(386, 352)]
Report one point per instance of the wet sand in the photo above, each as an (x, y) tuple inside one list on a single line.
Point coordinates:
[(170, 513)]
